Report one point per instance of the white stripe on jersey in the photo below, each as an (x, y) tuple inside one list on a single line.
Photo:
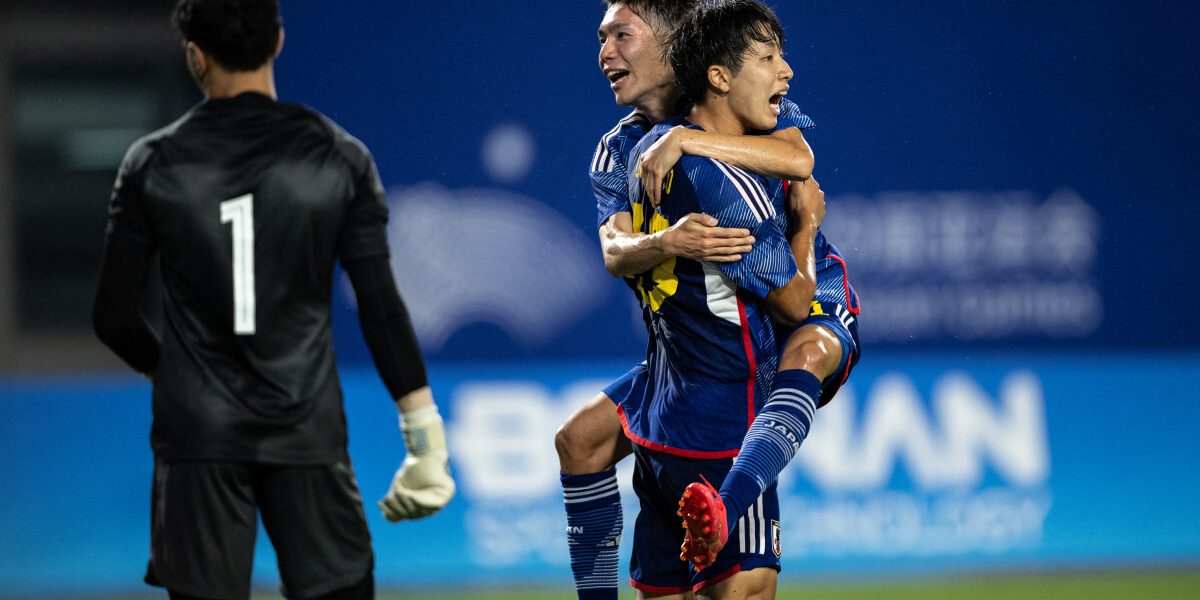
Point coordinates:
[(602, 160), (844, 315), (722, 294), (762, 531), (750, 189)]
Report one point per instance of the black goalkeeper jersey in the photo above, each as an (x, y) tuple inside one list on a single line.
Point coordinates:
[(248, 203)]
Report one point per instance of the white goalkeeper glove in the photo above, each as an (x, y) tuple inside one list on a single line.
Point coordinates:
[(422, 485)]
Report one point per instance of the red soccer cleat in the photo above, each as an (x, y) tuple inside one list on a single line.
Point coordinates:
[(703, 515)]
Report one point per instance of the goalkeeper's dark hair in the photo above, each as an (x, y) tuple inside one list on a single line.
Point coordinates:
[(718, 33), (241, 35), (663, 16)]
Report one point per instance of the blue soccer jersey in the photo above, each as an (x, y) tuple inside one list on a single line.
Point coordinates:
[(608, 170), (712, 346)]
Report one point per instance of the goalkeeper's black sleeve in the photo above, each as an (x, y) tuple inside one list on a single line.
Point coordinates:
[(386, 326), (115, 315)]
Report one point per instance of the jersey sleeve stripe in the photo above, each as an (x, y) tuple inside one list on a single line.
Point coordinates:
[(752, 193), (602, 160), (601, 155)]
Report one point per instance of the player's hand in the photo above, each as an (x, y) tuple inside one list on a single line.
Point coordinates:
[(806, 201), (697, 236), (658, 160), (422, 485)]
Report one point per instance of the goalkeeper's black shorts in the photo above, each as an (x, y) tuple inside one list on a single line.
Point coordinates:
[(204, 524)]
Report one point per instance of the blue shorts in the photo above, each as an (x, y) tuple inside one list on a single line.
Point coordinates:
[(843, 324), (634, 380), (655, 567)]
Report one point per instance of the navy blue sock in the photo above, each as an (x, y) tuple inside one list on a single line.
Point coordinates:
[(594, 524), (772, 440)]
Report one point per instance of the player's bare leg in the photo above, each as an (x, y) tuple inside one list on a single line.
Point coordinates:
[(812, 348), (591, 439), (589, 444), (755, 584)]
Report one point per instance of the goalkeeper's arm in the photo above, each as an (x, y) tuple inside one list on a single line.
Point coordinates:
[(422, 485)]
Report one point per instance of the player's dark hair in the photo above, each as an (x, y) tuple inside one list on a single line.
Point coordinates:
[(718, 33), (663, 16), (240, 35)]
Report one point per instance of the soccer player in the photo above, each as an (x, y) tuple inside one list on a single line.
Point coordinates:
[(248, 202), (823, 349), (713, 341), (632, 57)]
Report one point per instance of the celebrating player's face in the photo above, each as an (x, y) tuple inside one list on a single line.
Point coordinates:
[(632, 59), (755, 93)]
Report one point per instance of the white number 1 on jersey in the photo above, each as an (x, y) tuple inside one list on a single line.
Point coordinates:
[(240, 213)]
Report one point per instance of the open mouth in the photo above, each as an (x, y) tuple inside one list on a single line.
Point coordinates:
[(615, 75), (775, 99)]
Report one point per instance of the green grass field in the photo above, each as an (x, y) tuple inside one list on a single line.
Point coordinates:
[(1128, 585), (1089, 586), (1138, 585)]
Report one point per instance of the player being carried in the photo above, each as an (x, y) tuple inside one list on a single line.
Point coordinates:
[(632, 39), (718, 330)]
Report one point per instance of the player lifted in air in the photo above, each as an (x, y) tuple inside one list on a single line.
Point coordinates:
[(632, 56), (718, 331), (248, 203)]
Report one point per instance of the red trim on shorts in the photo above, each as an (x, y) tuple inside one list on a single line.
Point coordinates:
[(748, 344), (657, 447), (718, 578), (845, 284), (654, 589)]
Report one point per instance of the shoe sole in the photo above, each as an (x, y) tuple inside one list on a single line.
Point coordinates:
[(704, 519)]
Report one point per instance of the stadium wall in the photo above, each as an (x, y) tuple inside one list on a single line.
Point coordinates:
[(933, 463)]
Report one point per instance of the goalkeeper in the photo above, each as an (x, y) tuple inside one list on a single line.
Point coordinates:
[(248, 202)]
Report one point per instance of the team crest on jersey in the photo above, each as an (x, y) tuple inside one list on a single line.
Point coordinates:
[(776, 545)]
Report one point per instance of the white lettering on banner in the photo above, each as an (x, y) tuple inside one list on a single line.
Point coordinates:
[(947, 453), (971, 265), (978, 468), (502, 436), (895, 524), (503, 534), (502, 444)]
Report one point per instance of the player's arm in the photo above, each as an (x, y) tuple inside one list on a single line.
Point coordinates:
[(116, 317), (769, 271), (695, 236), (790, 304), (784, 154), (422, 485), (124, 270), (627, 252)]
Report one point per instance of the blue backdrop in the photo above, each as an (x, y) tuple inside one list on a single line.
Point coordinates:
[(997, 173), (1013, 185)]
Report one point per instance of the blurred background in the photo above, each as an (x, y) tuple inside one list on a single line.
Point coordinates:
[(1013, 184)]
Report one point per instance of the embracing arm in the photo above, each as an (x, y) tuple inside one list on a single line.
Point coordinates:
[(784, 154), (790, 304), (695, 236)]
